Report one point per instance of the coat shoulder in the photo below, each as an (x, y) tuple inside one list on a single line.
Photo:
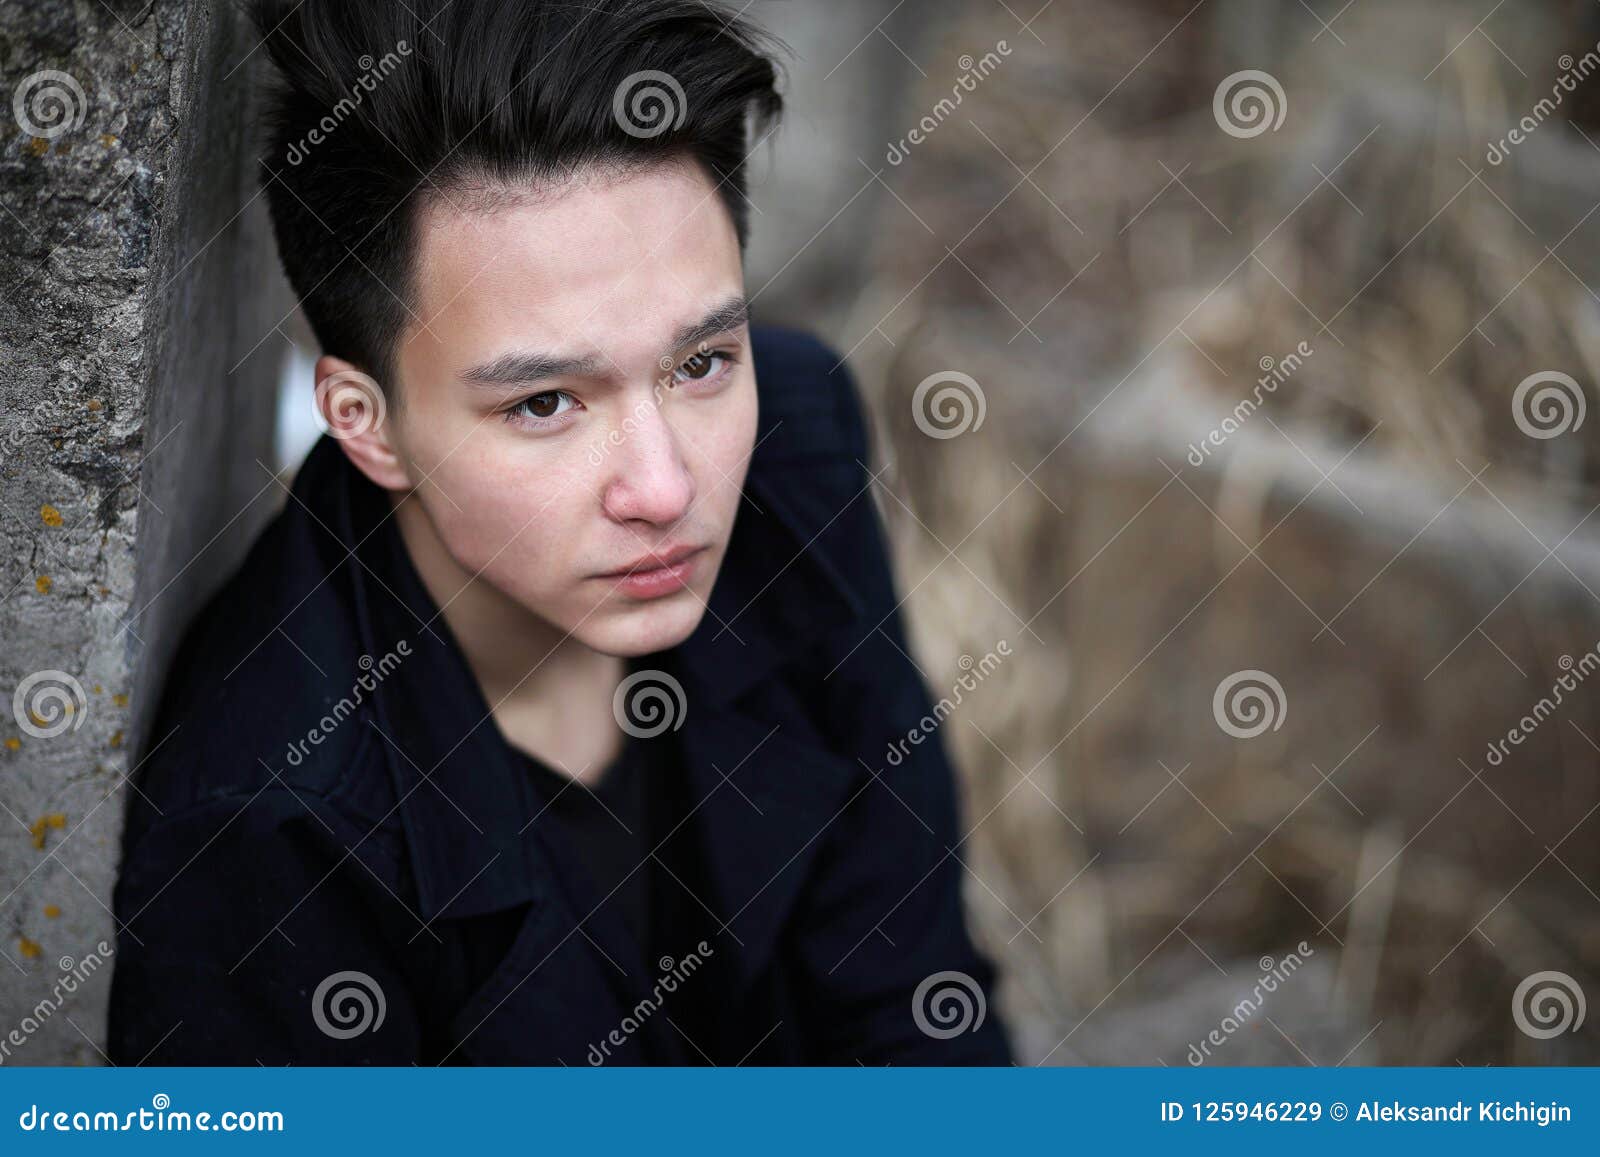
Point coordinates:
[(810, 402)]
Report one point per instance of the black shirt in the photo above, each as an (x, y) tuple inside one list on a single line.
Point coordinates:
[(605, 822)]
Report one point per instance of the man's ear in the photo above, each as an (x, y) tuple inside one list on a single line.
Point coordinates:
[(356, 412)]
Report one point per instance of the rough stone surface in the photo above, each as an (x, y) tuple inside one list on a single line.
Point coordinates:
[(134, 398)]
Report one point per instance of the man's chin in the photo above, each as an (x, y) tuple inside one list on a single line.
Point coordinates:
[(644, 628)]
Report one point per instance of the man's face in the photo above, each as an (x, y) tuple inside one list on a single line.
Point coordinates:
[(577, 400)]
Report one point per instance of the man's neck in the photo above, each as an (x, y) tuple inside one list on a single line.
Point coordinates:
[(549, 694)]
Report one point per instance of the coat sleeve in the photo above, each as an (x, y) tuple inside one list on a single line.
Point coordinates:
[(244, 937), (892, 973)]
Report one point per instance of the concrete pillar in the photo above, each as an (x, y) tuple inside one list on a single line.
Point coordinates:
[(139, 296)]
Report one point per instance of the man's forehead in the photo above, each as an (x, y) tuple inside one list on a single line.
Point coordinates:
[(585, 215), (601, 261)]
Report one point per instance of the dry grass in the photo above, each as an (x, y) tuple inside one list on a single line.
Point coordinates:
[(1130, 861)]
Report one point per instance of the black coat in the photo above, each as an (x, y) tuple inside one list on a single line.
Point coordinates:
[(255, 873)]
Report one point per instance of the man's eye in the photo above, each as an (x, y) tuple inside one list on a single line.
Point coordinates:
[(701, 366), (549, 404)]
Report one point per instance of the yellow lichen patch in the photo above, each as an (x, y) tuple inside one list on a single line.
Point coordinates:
[(29, 948), (42, 584), (13, 743), (52, 911), (38, 146), (120, 699), (40, 721), (49, 515), (108, 139), (43, 824), (96, 688), (95, 404), (116, 739)]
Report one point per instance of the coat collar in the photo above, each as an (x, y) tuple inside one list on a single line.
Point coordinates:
[(464, 794)]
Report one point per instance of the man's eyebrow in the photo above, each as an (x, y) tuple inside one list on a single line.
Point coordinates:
[(523, 367), (729, 315)]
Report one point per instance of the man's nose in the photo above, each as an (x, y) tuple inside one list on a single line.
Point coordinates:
[(649, 481)]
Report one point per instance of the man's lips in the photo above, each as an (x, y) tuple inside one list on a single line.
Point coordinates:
[(654, 561)]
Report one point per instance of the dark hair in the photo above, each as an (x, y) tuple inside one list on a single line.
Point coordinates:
[(381, 106)]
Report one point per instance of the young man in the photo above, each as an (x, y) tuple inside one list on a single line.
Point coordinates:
[(547, 723)]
